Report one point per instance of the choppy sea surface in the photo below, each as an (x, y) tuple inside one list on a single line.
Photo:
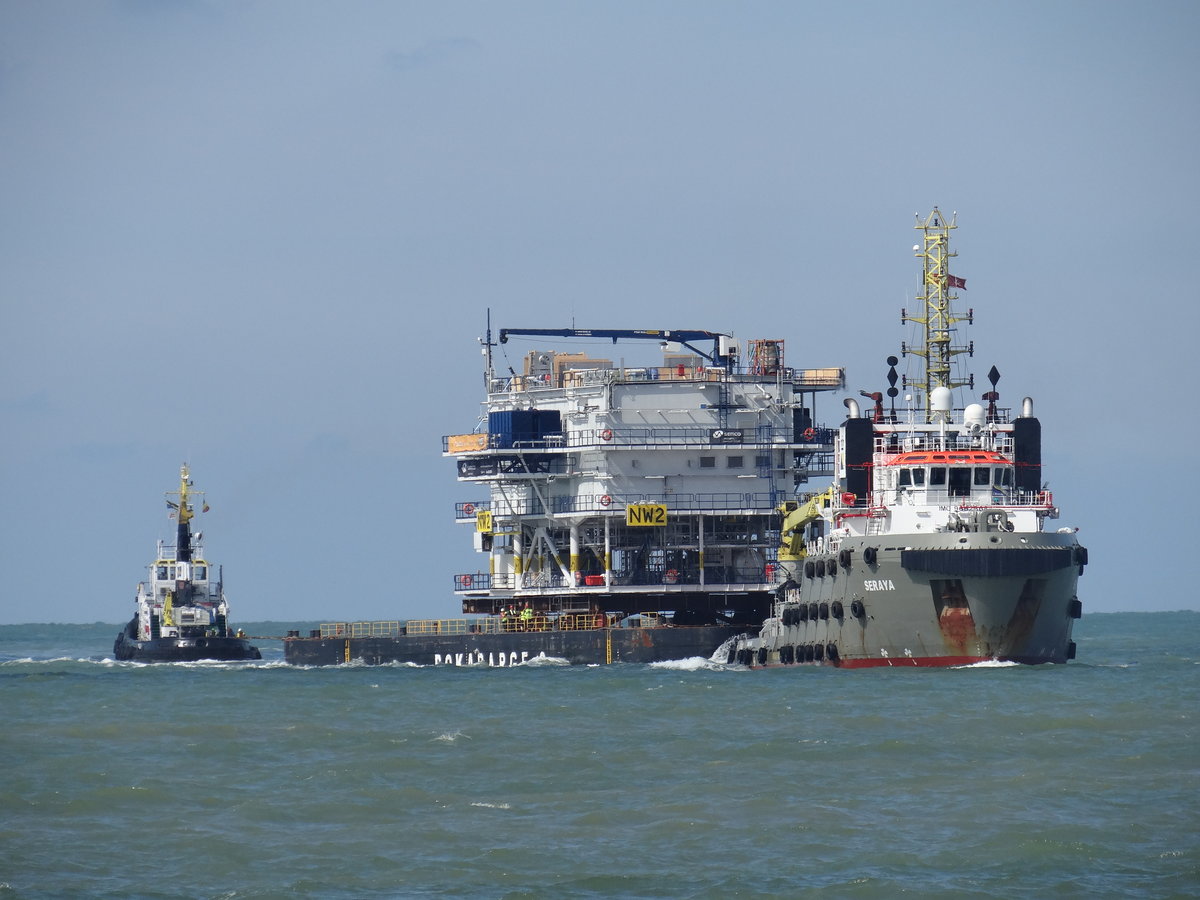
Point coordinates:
[(691, 779)]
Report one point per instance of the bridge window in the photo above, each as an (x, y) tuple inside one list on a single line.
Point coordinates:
[(960, 481), (937, 475), (905, 477), (983, 476)]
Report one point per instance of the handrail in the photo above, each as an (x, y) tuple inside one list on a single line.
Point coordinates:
[(556, 582), (678, 436), (830, 377), (485, 625)]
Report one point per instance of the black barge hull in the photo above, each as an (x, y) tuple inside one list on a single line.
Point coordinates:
[(587, 647)]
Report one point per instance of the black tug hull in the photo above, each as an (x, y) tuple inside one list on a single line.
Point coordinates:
[(586, 647), (222, 649)]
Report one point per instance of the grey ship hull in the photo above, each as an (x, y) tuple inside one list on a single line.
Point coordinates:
[(940, 599)]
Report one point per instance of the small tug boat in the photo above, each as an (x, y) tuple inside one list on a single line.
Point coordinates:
[(182, 614), (930, 548)]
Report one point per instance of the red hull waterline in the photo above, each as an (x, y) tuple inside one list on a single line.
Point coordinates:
[(912, 662), (921, 662)]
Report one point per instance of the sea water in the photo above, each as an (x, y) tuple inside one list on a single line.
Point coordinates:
[(690, 779)]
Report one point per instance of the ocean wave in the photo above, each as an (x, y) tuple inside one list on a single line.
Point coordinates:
[(691, 664), (989, 664), (539, 661)]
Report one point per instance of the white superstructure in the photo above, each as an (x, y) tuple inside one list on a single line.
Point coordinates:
[(639, 488)]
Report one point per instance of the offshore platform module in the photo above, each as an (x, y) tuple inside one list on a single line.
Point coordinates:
[(632, 490)]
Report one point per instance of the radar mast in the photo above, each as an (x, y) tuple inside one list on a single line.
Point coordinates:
[(937, 313)]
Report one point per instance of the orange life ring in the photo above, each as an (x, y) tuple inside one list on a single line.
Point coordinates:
[(809, 434), (606, 434), (469, 509), (464, 580), (605, 500), (672, 576)]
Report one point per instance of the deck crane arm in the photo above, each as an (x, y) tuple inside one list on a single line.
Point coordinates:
[(721, 354), (795, 517)]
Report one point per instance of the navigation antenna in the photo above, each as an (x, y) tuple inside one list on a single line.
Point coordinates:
[(938, 288), (487, 353)]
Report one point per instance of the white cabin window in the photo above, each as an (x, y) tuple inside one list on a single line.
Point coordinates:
[(735, 462), (201, 573), (983, 476), (708, 462)]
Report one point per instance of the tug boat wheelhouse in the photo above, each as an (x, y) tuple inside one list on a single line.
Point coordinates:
[(182, 613), (930, 548)]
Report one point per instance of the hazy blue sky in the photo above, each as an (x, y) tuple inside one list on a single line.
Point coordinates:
[(263, 236)]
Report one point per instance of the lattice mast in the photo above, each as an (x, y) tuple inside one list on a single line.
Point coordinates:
[(937, 315)]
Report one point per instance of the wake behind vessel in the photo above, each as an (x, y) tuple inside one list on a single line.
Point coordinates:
[(625, 512), (182, 614), (929, 548)]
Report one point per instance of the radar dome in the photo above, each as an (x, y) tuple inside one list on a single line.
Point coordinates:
[(975, 415), (940, 399)]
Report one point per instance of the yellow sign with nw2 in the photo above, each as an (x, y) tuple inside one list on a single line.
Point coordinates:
[(646, 514)]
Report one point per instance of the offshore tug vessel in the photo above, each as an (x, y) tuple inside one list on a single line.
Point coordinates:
[(931, 546), (624, 512), (182, 614)]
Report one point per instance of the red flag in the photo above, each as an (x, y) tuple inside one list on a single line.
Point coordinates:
[(955, 282)]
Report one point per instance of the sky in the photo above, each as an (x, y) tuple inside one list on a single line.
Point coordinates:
[(263, 237)]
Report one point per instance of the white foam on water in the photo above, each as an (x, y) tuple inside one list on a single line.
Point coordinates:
[(545, 661), (989, 664), (691, 664)]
